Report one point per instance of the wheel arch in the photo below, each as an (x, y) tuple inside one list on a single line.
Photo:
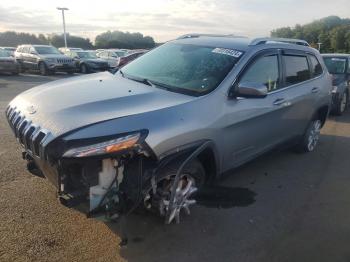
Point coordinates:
[(322, 114), (208, 157)]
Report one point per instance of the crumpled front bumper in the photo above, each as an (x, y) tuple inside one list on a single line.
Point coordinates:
[(34, 140)]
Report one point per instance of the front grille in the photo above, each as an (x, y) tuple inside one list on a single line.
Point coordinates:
[(64, 60), (29, 135)]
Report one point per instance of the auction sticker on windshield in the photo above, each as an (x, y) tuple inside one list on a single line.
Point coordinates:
[(229, 52)]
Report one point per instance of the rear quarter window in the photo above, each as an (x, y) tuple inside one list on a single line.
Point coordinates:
[(315, 66)]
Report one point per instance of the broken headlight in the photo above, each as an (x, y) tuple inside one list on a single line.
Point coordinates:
[(107, 147)]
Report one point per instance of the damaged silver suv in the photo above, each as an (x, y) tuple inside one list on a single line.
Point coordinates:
[(158, 129)]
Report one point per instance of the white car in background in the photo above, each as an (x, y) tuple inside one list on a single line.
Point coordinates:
[(69, 49), (112, 56)]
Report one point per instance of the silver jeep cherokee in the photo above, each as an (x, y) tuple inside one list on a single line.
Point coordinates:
[(45, 58), (161, 127)]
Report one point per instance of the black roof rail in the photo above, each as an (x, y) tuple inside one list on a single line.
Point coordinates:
[(196, 35), (268, 40)]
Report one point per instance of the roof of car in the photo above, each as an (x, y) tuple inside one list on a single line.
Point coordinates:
[(41, 45), (239, 42)]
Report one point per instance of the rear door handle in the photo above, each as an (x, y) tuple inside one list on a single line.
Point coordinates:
[(314, 90)]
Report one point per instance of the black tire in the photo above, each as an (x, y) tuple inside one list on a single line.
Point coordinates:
[(84, 69), (43, 69), (342, 104), (194, 169), (310, 138)]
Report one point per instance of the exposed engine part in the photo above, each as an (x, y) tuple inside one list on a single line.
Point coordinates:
[(106, 181), (161, 199)]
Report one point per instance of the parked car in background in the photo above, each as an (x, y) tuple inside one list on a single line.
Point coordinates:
[(45, 58), (166, 123), (64, 49), (87, 61), (129, 57), (10, 49), (8, 63), (339, 67), (112, 56)]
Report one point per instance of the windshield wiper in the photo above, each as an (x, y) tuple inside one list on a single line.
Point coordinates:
[(159, 85), (140, 80)]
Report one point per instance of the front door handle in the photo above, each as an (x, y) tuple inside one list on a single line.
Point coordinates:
[(279, 101), (314, 90)]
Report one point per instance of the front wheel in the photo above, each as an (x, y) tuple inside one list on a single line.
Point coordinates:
[(342, 104), (311, 137), (157, 197), (84, 69), (43, 69)]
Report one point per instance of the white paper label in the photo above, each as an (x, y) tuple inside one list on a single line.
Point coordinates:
[(229, 52)]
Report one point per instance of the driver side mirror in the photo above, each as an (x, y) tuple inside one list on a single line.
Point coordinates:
[(249, 90)]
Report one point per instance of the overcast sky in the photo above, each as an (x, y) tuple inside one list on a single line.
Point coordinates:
[(165, 19)]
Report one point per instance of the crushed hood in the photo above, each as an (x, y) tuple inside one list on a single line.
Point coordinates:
[(65, 105)]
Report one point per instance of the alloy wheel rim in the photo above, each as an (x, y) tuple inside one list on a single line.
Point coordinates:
[(314, 135), (182, 201)]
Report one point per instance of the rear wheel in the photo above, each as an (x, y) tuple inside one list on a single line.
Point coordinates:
[(342, 104), (311, 137)]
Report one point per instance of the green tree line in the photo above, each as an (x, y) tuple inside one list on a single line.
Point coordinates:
[(109, 39), (118, 39), (332, 32)]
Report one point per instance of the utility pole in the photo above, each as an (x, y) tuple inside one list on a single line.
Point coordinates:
[(64, 24)]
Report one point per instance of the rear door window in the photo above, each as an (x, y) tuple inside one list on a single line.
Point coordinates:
[(296, 69)]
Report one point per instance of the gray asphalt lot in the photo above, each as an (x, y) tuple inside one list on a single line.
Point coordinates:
[(301, 210)]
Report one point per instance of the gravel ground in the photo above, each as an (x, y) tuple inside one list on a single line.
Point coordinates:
[(301, 210)]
